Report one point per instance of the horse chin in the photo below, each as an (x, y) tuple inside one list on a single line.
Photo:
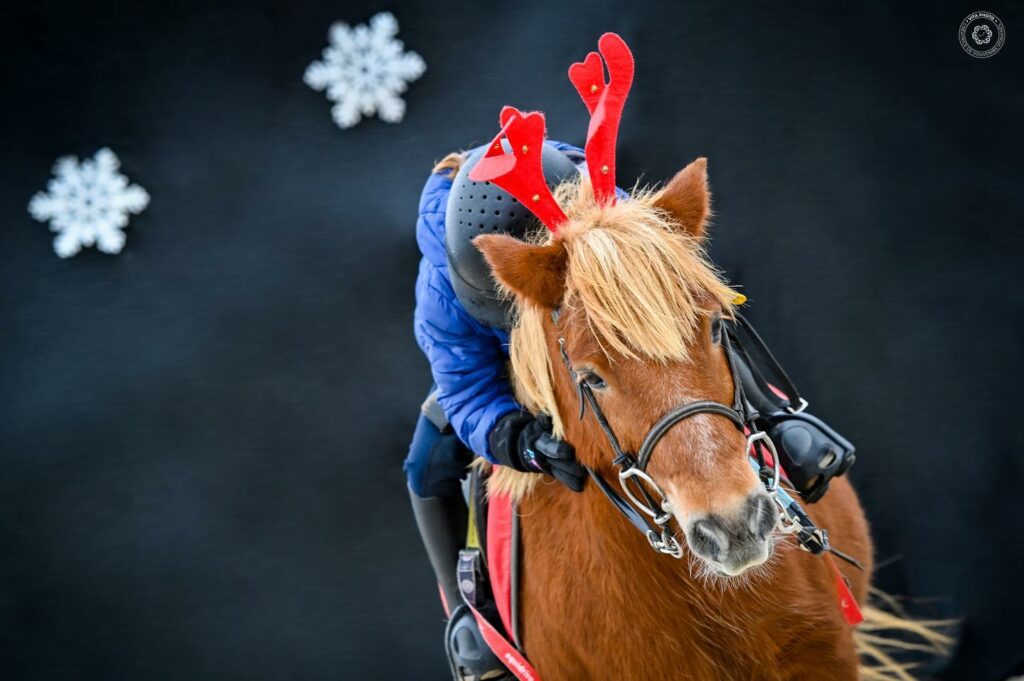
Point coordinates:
[(736, 573)]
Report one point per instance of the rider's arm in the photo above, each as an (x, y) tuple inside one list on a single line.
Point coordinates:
[(466, 359)]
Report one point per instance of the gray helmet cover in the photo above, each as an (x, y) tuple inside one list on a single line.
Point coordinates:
[(476, 208)]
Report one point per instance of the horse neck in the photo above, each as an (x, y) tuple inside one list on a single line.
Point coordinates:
[(582, 557), (603, 537)]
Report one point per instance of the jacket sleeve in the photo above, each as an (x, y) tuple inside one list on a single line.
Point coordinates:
[(467, 359), (468, 364)]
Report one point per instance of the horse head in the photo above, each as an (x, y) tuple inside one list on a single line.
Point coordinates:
[(626, 289)]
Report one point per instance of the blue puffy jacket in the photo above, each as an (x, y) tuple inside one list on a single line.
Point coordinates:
[(468, 359)]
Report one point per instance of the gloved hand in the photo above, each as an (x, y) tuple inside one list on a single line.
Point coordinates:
[(525, 443)]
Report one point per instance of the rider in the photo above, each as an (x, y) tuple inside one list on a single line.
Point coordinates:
[(461, 325)]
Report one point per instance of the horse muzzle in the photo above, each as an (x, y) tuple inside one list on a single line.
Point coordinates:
[(734, 543)]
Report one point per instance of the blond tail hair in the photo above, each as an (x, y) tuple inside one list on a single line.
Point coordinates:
[(887, 633)]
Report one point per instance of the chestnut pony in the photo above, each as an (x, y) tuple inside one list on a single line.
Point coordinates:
[(636, 298)]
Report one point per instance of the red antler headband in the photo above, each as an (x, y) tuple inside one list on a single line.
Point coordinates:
[(520, 170)]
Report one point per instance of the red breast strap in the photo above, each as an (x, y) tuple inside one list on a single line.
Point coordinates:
[(506, 652), (499, 566), (847, 603), (499, 555)]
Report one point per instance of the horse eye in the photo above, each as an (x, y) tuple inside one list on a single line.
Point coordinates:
[(716, 329), (593, 380)]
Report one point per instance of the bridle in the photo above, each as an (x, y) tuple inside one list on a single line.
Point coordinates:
[(652, 515)]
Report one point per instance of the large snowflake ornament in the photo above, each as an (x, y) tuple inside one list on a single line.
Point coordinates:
[(88, 203), (364, 70)]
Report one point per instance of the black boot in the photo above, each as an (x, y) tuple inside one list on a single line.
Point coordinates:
[(442, 523)]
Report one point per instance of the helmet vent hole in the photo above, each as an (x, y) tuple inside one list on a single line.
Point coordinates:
[(512, 214), (481, 225), (497, 213), (499, 197)]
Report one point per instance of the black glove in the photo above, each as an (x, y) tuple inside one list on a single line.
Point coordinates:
[(525, 443)]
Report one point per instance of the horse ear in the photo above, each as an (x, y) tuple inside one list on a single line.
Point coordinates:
[(535, 273), (687, 199)]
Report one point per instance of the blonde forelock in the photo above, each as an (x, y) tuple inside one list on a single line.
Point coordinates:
[(639, 280)]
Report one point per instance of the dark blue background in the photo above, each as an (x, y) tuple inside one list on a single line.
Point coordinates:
[(201, 438)]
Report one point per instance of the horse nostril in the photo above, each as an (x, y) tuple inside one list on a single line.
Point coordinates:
[(762, 516), (708, 539)]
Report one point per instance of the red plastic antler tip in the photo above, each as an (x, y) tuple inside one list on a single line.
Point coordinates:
[(605, 101)]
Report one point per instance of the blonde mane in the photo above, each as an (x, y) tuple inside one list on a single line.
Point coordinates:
[(641, 282)]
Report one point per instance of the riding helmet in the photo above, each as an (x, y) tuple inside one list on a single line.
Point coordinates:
[(476, 208)]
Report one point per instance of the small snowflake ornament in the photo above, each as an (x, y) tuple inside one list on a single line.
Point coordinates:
[(364, 70), (88, 203)]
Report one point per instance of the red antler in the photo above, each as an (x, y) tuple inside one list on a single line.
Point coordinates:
[(605, 102), (520, 171)]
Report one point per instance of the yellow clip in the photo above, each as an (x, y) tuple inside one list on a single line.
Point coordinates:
[(472, 538), (739, 299)]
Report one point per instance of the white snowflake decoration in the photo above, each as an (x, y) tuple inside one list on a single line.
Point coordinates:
[(364, 70), (88, 203)]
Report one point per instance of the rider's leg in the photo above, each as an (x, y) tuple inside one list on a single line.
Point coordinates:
[(436, 462)]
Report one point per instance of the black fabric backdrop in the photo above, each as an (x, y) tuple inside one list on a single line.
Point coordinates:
[(202, 437)]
